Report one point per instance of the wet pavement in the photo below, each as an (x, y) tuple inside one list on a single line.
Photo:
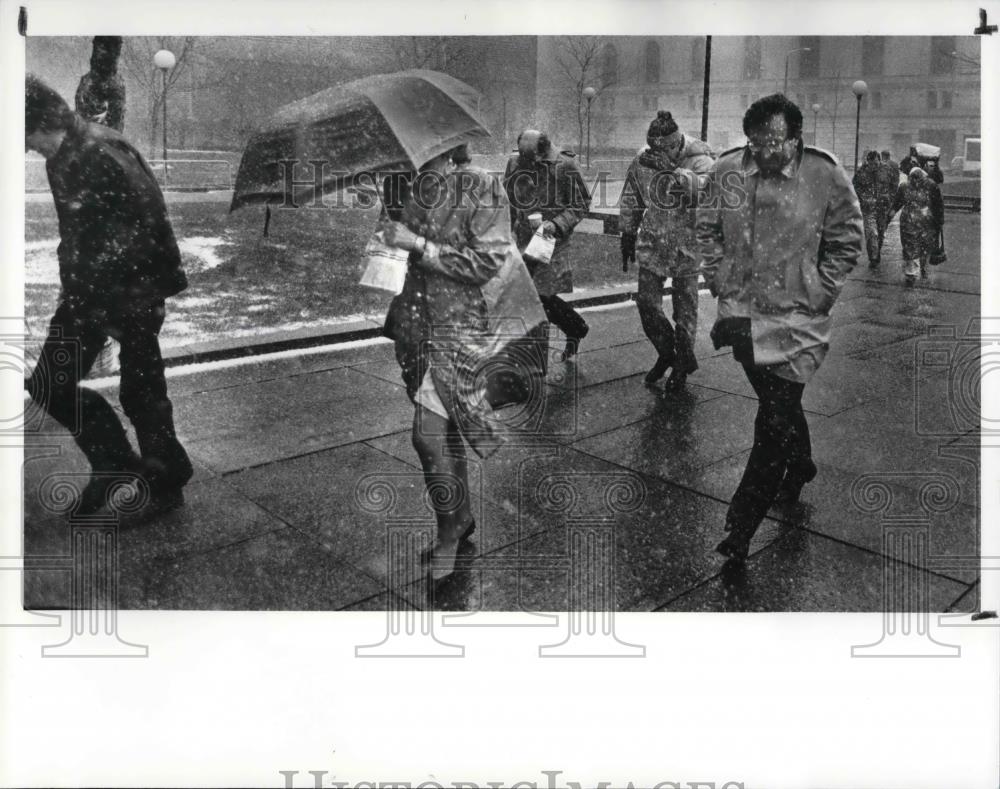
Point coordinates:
[(308, 494)]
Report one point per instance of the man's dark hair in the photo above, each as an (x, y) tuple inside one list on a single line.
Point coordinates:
[(460, 154), (871, 156), (44, 109), (762, 110), (886, 155)]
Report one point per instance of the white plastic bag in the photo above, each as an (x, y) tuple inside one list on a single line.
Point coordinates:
[(386, 265), (540, 248)]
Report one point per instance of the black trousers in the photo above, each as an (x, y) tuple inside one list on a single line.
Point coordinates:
[(569, 321), (780, 444), (75, 339)]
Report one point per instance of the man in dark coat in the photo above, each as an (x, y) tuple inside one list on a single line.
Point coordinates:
[(100, 96), (776, 257), (539, 180), (118, 261), (910, 161), (869, 184)]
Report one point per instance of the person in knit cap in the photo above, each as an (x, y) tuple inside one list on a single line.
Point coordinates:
[(657, 221)]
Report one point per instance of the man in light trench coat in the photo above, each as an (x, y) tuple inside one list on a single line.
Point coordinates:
[(781, 232)]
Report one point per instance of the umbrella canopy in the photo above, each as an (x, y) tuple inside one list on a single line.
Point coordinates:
[(384, 123)]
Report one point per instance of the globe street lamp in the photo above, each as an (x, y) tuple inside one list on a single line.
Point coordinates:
[(860, 88), (164, 60), (816, 108), (788, 55), (588, 94)]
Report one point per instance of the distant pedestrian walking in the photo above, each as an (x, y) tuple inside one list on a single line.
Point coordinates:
[(541, 181), (921, 219), (657, 213), (118, 261), (776, 257), (100, 96), (871, 187)]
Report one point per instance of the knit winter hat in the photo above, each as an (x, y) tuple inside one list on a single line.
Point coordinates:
[(663, 125)]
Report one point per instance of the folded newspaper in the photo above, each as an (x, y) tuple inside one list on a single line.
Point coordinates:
[(386, 268)]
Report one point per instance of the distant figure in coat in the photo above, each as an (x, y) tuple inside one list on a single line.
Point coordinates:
[(657, 214), (466, 301), (909, 161), (100, 96), (869, 183), (889, 177), (781, 233), (118, 261), (920, 222), (541, 181), (932, 167), (887, 161)]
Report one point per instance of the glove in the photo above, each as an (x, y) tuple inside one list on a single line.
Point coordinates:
[(628, 248)]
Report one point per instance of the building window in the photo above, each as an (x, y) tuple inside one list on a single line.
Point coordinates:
[(652, 63), (698, 59), (872, 55), (692, 102), (752, 58), (946, 99), (609, 65), (932, 99), (808, 61), (941, 60), (877, 100), (745, 100)]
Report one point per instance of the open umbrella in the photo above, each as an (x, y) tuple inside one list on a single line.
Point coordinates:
[(383, 123)]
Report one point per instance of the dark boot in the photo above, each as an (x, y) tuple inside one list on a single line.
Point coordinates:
[(793, 482), (658, 370), (677, 379), (736, 545)]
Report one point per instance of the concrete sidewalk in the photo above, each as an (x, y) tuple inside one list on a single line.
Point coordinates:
[(308, 494)]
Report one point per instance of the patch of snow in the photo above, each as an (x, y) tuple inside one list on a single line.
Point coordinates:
[(203, 248)]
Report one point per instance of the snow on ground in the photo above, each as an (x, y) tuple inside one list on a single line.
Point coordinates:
[(202, 248)]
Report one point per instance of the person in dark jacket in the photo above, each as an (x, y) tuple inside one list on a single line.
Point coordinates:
[(118, 261), (910, 161), (872, 190), (920, 222), (100, 96), (540, 180)]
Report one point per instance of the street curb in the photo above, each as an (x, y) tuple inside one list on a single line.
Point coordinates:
[(218, 350)]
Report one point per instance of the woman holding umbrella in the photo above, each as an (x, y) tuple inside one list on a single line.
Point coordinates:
[(920, 222), (464, 275)]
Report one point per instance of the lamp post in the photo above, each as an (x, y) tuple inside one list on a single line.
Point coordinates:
[(860, 88), (816, 108), (588, 94), (704, 95), (784, 90), (164, 60)]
